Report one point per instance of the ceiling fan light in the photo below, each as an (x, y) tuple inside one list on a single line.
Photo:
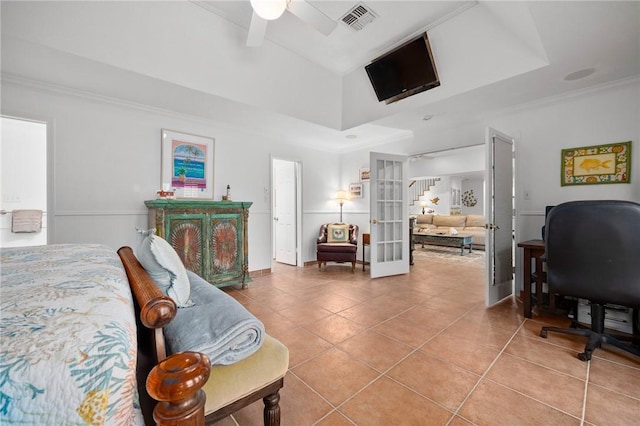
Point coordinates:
[(269, 9)]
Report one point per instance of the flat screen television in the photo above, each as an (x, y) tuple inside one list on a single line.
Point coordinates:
[(406, 70)]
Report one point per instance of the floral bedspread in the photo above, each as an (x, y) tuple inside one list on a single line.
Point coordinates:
[(67, 337)]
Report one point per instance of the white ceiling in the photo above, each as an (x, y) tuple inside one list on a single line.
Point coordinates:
[(568, 36), (346, 49), (489, 55)]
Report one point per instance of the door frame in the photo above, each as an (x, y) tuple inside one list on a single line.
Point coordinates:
[(298, 207), (49, 122)]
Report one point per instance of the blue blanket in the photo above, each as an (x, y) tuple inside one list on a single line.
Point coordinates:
[(217, 325)]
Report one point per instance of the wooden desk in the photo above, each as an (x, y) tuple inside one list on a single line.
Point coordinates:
[(533, 249), (366, 238)]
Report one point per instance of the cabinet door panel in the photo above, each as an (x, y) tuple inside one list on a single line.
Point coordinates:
[(226, 247), (186, 235)]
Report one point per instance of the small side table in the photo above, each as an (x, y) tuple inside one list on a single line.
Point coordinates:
[(533, 249), (366, 238)]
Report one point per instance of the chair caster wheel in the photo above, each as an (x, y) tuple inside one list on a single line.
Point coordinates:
[(583, 356), (543, 334)]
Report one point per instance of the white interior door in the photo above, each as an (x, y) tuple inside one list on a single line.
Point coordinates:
[(23, 178), (389, 215), (285, 211), (499, 212)]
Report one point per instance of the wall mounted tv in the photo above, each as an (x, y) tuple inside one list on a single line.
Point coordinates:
[(406, 70)]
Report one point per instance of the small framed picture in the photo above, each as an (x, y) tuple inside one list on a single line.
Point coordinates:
[(355, 190), (187, 164), (365, 174)]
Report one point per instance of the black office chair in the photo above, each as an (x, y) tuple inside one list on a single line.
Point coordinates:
[(592, 251)]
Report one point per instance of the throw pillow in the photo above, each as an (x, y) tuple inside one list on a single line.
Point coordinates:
[(337, 233), (164, 266)]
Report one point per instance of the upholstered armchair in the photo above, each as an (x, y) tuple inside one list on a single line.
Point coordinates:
[(337, 242)]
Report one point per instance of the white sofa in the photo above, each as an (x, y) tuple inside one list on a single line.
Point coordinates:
[(465, 224)]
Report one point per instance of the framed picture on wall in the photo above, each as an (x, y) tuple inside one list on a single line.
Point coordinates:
[(365, 174), (355, 190), (596, 164), (187, 164)]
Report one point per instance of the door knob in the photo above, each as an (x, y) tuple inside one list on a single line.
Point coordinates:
[(374, 221)]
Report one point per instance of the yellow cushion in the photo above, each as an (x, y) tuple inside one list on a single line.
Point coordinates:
[(424, 219), (338, 233), (229, 383), (456, 221), (475, 220)]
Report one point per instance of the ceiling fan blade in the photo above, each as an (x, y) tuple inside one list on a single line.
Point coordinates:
[(257, 30), (312, 16)]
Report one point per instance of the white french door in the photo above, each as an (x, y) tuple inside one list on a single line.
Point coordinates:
[(389, 215), (499, 210)]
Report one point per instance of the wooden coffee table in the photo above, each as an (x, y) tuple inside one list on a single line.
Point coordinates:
[(445, 239)]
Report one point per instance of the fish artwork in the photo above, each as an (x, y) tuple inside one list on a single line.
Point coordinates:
[(594, 164)]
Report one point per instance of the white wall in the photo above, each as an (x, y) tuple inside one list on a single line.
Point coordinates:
[(107, 162), (477, 186)]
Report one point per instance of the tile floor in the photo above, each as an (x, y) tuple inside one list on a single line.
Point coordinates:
[(421, 349)]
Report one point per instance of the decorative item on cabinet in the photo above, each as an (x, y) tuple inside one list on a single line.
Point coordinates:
[(209, 236), (227, 196)]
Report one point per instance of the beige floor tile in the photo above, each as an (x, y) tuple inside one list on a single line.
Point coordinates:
[(335, 419), (434, 318), (440, 381), (480, 333), (493, 404), (365, 315), (299, 406), (334, 302), (610, 408), (496, 319), (551, 356), (385, 403), (472, 356), (376, 350), (304, 313), (335, 375), (335, 329), (406, 331), (566, 393), (303, 345), (618, 377)]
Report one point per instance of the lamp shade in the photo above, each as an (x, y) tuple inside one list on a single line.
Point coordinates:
[(342, 196), (269, 9)]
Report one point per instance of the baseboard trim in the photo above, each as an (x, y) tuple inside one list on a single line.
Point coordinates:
[(260, 273)]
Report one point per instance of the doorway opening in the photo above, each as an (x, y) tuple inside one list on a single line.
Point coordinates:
[(24, 180), (478, 182), (286, 207)]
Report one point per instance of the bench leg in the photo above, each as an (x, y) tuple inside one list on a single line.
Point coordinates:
[(272, 409)]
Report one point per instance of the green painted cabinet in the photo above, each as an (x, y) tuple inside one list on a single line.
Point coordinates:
[(209, 236)]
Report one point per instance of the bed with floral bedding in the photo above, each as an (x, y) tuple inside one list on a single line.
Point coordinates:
[(67, 337)]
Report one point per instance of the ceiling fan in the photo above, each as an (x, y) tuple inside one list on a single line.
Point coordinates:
[(269, 10)]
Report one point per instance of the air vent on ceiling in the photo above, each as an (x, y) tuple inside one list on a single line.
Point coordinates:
[(359, 17)]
